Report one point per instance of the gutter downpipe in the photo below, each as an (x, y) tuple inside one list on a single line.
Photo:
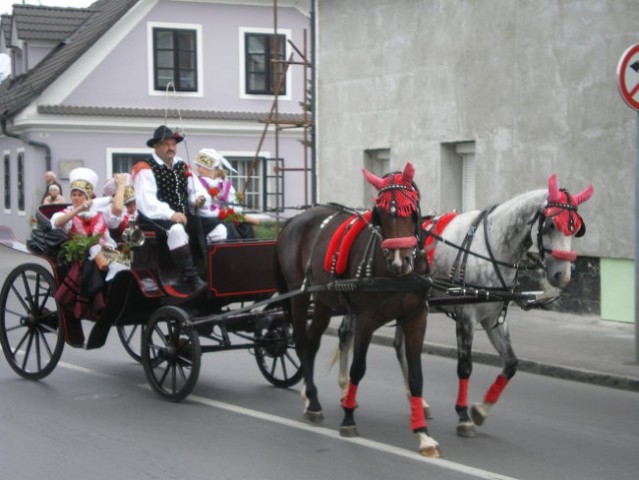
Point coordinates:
[(313, 105), (28, 141)]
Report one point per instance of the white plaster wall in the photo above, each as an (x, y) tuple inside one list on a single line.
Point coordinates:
[(533, 83)]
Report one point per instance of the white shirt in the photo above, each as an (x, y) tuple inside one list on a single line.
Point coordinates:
[(146, 193)]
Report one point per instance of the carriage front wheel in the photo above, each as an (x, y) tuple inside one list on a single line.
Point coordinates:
[(171, 353), (30, 333)]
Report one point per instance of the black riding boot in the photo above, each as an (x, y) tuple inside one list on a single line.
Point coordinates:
[(184, 261)]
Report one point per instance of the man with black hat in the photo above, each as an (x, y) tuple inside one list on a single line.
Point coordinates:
[(162, 192)]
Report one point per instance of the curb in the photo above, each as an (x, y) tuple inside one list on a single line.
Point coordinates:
[(525, 365)]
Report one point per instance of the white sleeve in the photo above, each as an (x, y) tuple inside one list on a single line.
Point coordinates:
[(146, 196), (66, 227)]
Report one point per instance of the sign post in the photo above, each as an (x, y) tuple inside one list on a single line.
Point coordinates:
[(628, 82)]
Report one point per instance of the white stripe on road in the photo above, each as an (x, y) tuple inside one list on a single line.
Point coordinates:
[(372, 444)]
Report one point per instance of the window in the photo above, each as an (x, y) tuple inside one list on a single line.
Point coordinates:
[(376, 161), (123, 162), (261, 74), (457, 178), (7, 181), (175, 59), (248, 179), (21, 181)]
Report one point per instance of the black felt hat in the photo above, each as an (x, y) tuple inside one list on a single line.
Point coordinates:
[(162, 133)]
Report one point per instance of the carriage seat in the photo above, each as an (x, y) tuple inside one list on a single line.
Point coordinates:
[(44, 213)]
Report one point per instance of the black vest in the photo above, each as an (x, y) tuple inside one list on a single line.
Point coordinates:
[(171, 183)]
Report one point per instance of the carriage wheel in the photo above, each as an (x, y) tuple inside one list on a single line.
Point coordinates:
[(30, 334), (132, 338), (171, 353), (275, 355)]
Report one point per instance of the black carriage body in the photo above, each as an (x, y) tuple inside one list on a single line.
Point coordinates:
[(158, 324)]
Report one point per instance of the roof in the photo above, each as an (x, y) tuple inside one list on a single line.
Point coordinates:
[(157, 112), (17, 93), (5, 27), (48, 23)]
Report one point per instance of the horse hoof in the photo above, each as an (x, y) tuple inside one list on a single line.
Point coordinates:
[(430, 452), (348, 431), (466, 430), (314, 417), (479, 412)]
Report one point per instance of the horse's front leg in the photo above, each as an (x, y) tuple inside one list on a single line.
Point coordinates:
[(464, 332), (361, 341), (400, 352), (414, 330), (500, 338)]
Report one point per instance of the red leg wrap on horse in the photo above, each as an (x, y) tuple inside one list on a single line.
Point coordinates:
[(417, 419), (350, 400), (462, 393), (493, 393)]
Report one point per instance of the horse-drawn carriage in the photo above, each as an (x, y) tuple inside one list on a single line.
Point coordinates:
[(165, 330), (322, 266)]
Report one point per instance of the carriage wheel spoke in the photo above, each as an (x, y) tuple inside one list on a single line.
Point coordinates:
[(27, 350), (19, 297)]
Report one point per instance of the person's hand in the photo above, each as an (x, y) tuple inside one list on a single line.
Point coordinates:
[(120, 179), (178, 217), (199, 201), (85, 205)]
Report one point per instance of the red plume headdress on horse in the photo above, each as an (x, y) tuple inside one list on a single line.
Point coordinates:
[(396, 192), (562, 208)]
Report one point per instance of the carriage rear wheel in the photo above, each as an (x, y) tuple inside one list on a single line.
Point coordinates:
[(275, 354), (171, 353), (132, 338), (30, 334)]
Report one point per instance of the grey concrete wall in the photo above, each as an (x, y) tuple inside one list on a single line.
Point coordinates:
[(532, 83)]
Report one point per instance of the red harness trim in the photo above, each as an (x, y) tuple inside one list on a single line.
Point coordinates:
[(435, 225), (339, 247)]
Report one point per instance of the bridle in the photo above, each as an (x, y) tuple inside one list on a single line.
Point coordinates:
[(548, 218), (399, 200)]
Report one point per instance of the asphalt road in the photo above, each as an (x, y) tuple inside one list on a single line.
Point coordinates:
[(94, 417)]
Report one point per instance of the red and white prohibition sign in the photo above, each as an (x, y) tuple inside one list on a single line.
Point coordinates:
[(628, 75)]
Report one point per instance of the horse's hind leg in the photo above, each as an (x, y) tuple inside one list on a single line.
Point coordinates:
[(400, 352), (500, 338), (307, 343), (345, 336), (464, 332)]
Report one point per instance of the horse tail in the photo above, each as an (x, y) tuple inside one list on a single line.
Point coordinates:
[(280, 281)]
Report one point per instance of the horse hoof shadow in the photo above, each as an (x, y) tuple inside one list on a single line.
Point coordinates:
[(466, 430)]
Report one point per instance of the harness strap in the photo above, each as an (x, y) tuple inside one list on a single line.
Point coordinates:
[(456, 268)]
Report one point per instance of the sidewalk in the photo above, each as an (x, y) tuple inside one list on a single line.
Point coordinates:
[(562, 345)]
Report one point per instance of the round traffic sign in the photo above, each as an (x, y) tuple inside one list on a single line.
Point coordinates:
[(628, 76)]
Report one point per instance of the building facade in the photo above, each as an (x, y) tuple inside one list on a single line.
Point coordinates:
[(89, 87), (487, 99)]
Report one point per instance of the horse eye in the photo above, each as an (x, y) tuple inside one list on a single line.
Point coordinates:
[(547, 227)]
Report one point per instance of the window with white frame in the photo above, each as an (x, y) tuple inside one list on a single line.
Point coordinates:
[(175, 58), (457, 177), (7, 181), (20, 173), (262, 67), (248, 181), (122, 162)]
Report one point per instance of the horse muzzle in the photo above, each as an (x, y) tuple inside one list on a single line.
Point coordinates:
[(399, 264)]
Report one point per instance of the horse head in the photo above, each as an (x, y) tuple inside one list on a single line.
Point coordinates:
[(396, 213), (559, 222)]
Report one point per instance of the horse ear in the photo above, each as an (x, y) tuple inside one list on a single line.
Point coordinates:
[(583, 196), (408, 173), (553, 190), (374, 180)]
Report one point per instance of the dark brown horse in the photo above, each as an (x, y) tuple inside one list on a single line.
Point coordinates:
[(375, 287)]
